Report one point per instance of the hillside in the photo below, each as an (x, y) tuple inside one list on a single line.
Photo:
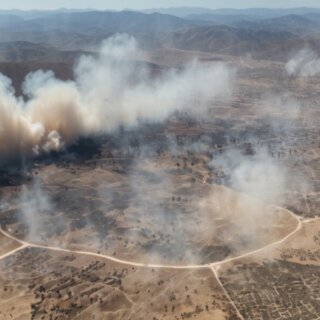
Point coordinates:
[(300, 25), (87, 22), (233, 41), (62, 35), (17, 71), (256, 13)]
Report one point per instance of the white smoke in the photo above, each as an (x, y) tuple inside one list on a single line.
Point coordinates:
[(108, 91), (305, 63), (34, 204), (259, 175)]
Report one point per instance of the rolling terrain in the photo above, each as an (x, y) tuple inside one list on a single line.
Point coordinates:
[(188, 187)]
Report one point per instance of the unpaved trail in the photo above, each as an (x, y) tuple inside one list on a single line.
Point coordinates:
[(311, 219), (9, 253), (212, 266), (150, 265), (299, 226), (226, 293), (99, 255)]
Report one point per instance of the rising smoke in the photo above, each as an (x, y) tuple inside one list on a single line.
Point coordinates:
[(34, 203), (109, 91), (259, 175), (305, 63)]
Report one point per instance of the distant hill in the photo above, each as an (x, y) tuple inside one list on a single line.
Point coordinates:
[(18, 71), (260, 44), (222, 19), (33, 14), (62, 36), (266, 12), (9, 19), (312, 16), (22, 51), (300, 25), (180, 11), (85, 30), (124, 21), (258, 13)]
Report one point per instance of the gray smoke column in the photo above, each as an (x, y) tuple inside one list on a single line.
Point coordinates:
[(108, 91), (34, 204), (259, 176), (305, 63)]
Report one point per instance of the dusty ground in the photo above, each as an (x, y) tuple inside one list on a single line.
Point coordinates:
[(151, 197), (264, 285), (63, 286), (157, 214), (7, 245)]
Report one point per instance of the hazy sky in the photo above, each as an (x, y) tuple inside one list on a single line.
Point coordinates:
[(143, 4)]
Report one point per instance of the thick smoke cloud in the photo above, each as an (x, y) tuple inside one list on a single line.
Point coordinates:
[(306, 64), (109, 91), (259, 175)]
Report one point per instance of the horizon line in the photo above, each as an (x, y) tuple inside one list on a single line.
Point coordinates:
[(159, 8)]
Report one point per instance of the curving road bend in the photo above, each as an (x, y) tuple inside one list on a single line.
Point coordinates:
[(212, 266)]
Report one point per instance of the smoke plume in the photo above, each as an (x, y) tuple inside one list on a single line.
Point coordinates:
[(108, 91), (305, 63), (259, 175)]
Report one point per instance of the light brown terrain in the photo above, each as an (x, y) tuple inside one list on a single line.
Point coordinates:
[(129, 233)]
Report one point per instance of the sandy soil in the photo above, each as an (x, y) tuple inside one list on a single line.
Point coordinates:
[(173, 210), (7, 245), (75, 286)]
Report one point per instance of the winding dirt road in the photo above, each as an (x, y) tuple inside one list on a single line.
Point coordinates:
[(138, 264), (214, 267)]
